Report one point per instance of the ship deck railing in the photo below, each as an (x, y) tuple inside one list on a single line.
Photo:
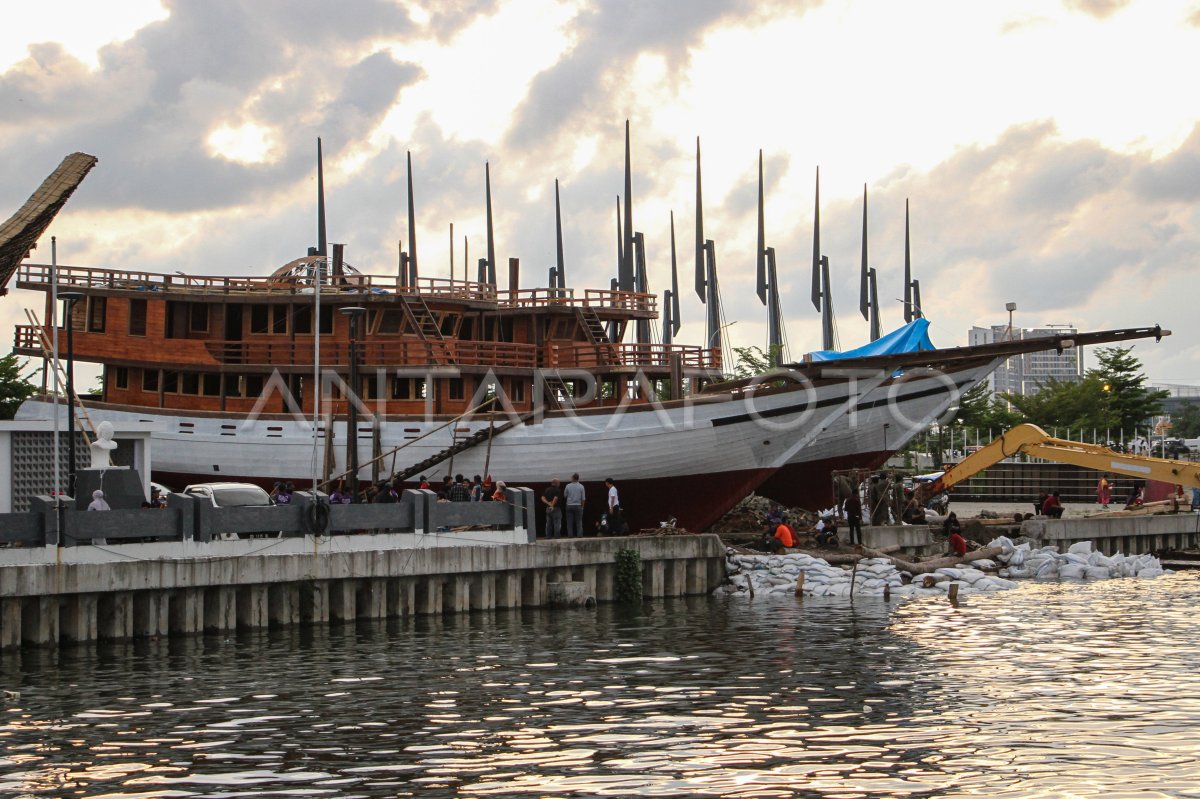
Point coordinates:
[(180, 353), (584, 355), (354, 286)]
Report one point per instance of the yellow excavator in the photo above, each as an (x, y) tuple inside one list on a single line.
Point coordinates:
[(1031, 440)]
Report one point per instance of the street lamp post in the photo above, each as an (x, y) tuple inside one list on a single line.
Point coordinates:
[(70, 298), (353, 313)]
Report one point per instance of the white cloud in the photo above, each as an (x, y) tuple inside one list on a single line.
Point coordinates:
[(1048, 151)]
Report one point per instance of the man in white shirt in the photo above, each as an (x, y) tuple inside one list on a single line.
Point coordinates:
[(616, 524)]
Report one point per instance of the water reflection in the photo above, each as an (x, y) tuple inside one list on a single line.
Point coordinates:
[(1086, 690)]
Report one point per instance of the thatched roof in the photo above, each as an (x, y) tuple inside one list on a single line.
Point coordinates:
[(25, 227)]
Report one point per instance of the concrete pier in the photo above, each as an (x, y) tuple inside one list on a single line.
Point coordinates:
[(1131, 535), (53, 595)]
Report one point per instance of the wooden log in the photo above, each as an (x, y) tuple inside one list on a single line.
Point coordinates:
[(927, 566), (846, 558)]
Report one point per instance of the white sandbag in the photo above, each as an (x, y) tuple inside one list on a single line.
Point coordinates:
[(1004, 542), (1076, 558), (1149, 572), (984, 564), (1081, 548), (1072, 571), (1047, 571), (1098, 558), (1097, 572), (952, 573)]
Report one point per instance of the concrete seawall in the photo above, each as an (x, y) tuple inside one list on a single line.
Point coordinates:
[(1131, 535), (57, 595)]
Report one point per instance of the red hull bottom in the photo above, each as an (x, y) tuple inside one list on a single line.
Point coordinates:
[(696, 501), (810, 485)]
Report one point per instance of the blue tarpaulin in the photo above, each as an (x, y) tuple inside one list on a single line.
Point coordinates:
[(913, 337)]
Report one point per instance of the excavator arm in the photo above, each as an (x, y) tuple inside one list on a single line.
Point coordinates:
[(1029, 439)]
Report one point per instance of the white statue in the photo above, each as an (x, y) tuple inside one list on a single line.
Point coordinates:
[(102, 446)]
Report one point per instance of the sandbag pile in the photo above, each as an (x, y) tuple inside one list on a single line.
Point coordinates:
[(778, 574), (1080, 562)]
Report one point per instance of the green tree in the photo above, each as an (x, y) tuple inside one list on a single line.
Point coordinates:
[(1072, 404), (1124, 386), (1185, 422), (14, 388), (754, 361), (980, 409)]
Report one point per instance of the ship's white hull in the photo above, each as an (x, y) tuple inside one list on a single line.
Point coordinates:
[(691, 460), (885, 419)]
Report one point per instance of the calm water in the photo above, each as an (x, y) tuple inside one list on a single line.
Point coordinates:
[(1071, 690)]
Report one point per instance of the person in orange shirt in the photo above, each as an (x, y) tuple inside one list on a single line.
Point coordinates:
[(782, 538)]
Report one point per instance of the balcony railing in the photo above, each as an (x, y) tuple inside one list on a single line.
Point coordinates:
[(180, 353), (580, 355), (341, 287)]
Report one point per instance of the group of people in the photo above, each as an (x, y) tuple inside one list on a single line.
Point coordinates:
[(780, 535), (460, 488), (567, 503)]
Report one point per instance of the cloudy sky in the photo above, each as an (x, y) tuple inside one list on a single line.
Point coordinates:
[(1050, 151)]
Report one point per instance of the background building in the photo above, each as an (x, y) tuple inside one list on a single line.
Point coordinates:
[(1026, 374)]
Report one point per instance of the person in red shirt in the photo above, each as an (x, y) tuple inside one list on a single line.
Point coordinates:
[(958, 544), (1052, 507)]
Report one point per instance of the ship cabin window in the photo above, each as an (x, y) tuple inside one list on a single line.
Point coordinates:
[(561, 329), (95, 318), (497, 329), (211, 385), (137, 317), (408, 388), (449, 324), (302, 320), (326, 320), (606, 390), (374, 388), (150, 380), (387, 321), (121, 377), (259, 319), (466, 330), (250, 385), (198, 317), (170, 382), (454, 387), (279, 319), (243, 386), (517, 390)]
